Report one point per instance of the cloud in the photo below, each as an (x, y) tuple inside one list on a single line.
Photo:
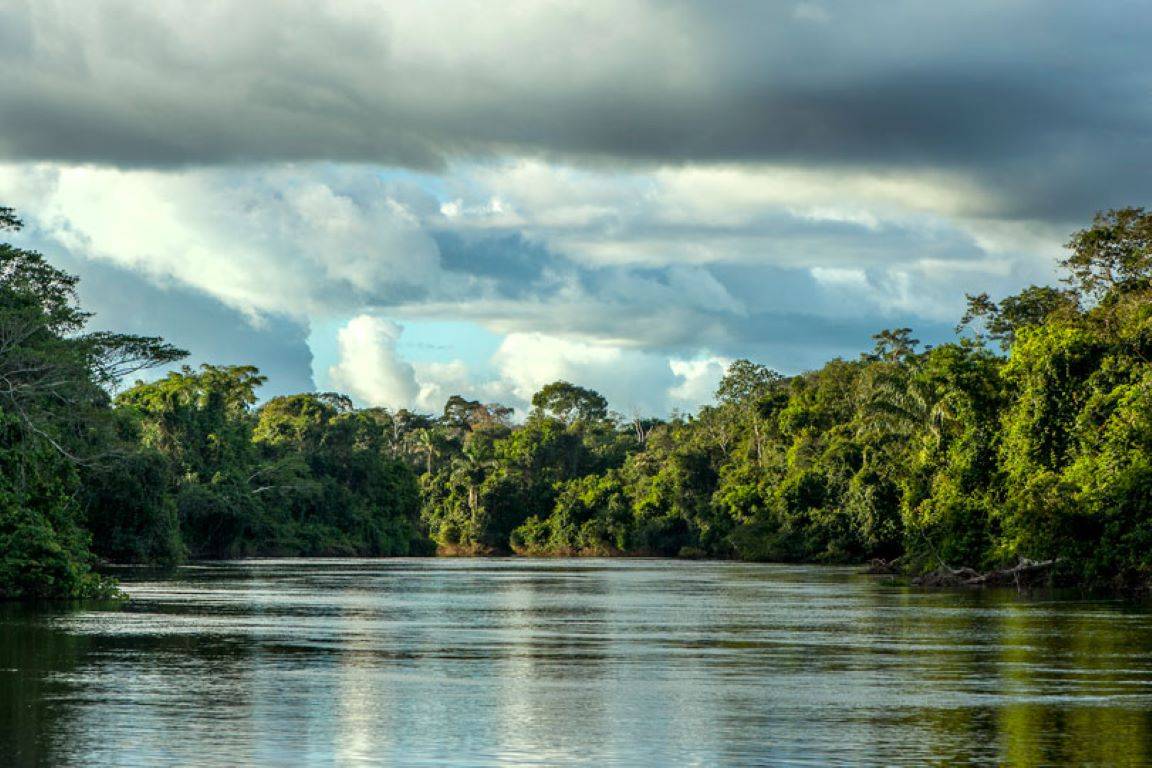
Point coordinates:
[(122, 300), (369, 368), (811, 12), (779, 264), (1004, 95), (625, 193), (632, 380), (263, 241), (187, 82), (698, 381)]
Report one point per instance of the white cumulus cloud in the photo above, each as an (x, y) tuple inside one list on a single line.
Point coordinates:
[(698, 380), (369, 368)]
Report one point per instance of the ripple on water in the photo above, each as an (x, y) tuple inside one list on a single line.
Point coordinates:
[(580, 662)]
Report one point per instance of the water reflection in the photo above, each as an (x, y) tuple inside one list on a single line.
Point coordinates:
[(571, 662)]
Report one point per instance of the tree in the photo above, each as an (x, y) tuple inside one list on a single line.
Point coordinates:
[(55, 424), (1116, 251), (894, 345), (200, 418), (745, 381), (1031, 307), (570, 403), (429, 444), (460, 413), (9, 221), (744, 386), (299, 422)]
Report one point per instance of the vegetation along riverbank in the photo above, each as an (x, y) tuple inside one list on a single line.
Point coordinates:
[(1027, 439)]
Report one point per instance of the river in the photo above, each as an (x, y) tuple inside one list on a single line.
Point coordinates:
[(571, 662)]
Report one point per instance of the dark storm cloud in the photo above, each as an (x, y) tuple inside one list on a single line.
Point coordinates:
[(1047, 104)]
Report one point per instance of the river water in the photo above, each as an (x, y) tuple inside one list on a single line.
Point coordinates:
[(570, 662)]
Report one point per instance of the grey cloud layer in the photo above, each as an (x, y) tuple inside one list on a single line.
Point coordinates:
[(613, 186), (672, 264), (124, 301), (1044, 104)]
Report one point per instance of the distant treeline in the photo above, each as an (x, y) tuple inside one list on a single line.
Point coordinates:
[(1028, 436)]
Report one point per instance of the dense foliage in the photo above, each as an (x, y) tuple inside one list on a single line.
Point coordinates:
[(184, 466), (301, 475), (1029, 436), (56, 425)]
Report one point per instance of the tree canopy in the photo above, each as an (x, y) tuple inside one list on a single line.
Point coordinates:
[(569, 402)]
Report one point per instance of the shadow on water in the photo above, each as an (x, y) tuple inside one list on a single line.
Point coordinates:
[(593, 662), (31, 654)]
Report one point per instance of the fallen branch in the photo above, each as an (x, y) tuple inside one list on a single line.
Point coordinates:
[(1024, 573)]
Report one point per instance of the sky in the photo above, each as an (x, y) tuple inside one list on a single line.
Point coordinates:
[(409, 200)]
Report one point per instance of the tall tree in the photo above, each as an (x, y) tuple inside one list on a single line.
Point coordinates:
[(55, 421), (1115, 252), (570, 403)]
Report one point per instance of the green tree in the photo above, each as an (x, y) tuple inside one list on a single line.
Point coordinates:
[(1031, 307), (1113, 254), (55, 422), (568, 403)]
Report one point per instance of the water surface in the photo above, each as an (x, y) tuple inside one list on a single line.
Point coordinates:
[(571, 662)]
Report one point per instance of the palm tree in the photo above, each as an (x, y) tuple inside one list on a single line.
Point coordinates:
[(898, 404), (430, 444), (469, 470)]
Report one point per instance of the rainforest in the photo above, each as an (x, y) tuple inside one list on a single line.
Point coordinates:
[(1027, 438)]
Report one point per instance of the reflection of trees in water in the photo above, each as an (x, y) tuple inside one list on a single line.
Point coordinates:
[(32, 655), (1066, 684), (912, 677), (1091, 651), (80, 696)]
